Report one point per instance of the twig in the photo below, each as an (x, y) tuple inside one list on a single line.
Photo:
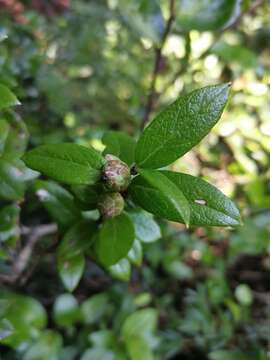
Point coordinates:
[(21, 262), (158, 57)]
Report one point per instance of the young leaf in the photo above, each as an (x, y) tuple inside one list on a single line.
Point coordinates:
[(68, 163), (7, 98), (157, 194), (120, 145), (180, 126), (115, 239), (208, 205)]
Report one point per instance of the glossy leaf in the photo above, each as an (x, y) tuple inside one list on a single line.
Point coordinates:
[(66, 310), (68, 163), (97, 353), (17, 137), (121, 270), (120, 145), (9, 229), (207, 204), (77, 240), (115, 239), (25, 315), (58, 201), (47, 346), (146, 228), (135, 254), (94, 308), (7, 98), (71, 270), (11, 180), (154, 192), (4, 129), (139, 323), (180, 126), (205, 15)]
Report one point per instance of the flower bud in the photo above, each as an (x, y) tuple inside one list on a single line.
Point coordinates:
[(111, 205), (116, 174)]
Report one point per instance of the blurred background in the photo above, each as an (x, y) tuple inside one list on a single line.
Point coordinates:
[(80, 68)]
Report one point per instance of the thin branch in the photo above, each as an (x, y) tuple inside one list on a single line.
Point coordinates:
[(158, 58), (21, 262)]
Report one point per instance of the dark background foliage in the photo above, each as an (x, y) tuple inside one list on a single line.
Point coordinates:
[(80, 68)]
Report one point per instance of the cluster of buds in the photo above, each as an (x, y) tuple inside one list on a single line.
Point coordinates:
[(116, 177)]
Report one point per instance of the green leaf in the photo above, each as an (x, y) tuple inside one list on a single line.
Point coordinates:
[(120, 145), (138, 348), (205, 15), (68, 163), (9, 229), (4, 129), (94, 308), (208, 205), (6, 329), (138, 333), (66, 310), (7, 98), (154, 192), (115, 239), (146, 228), (25, 315), (228, 355), (47, 346), (180, 126), (235, 54), (97, 353), (87, 195), (11, 180), (17, 138), (135, 254), (121, 270), (71, 270), (58, 201), (140, 323), (77, 240)]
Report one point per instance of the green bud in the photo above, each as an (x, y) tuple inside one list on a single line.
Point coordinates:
[(116, 174), (111, 205)]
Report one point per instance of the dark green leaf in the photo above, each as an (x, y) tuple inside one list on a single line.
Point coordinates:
[(154, 192), (17, 138), (77, 240), (207, 204), (87, 195), (58, 201), (7, 98), (206, 15), (120, 145), (115, 239), (181, 126), (68, 163), (4, 129), (146, 228)]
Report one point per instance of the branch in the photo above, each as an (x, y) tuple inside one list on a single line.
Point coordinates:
[(158, 57), (21, 262)]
